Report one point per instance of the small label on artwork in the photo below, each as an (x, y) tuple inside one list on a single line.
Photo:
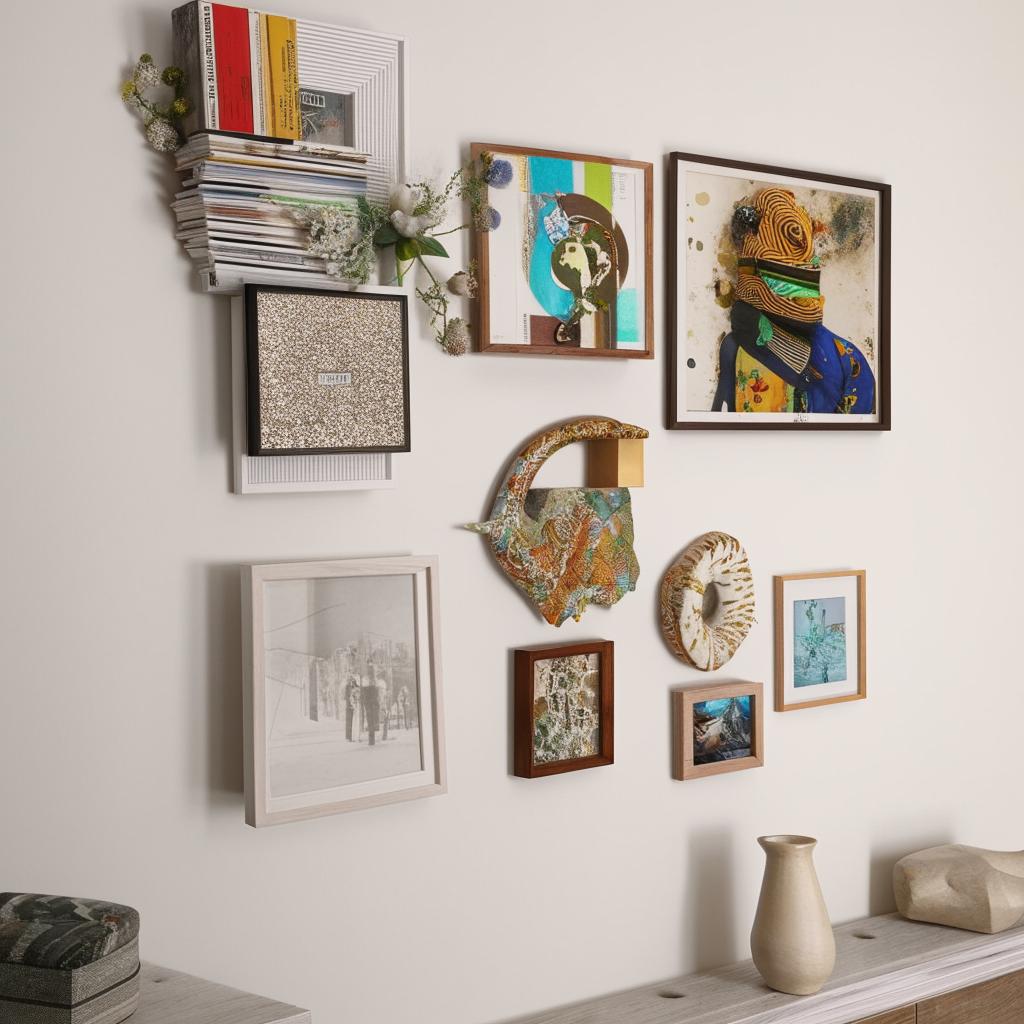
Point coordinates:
[(330, 380)]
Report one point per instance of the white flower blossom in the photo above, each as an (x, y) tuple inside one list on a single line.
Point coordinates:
[(146, 75), (161, 135)]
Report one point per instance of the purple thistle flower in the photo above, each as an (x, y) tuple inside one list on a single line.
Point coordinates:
[(499, 174), (491, 219)]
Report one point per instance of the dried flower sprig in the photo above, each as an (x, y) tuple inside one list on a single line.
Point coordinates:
[(348, 236), (162, 121)]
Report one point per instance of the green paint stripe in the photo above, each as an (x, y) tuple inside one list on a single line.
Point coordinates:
[(597, 183)]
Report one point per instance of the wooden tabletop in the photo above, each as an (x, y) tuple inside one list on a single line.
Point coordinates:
[(169, 997), (881, 963)]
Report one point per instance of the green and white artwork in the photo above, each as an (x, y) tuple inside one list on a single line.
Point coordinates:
[(819, 641), (566, 708)]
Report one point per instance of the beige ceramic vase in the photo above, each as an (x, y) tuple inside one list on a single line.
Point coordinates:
[(791, 941)]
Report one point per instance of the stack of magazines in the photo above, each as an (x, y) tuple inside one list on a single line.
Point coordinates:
[(236, 211)]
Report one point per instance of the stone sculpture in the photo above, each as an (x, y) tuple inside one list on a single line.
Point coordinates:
[(962, 887)]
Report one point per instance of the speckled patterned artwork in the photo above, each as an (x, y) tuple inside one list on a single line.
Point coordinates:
[(327, 371), (566, 707), (568, 547)]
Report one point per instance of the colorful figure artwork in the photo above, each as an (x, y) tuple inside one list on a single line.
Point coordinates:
[(569, 272), (564, 548), (707, 601), (756, 256)]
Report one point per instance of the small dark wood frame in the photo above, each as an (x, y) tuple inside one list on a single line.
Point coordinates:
[(683, 701), (525, 658), (477, 149), (252, 369), (882, 385), (780, 640)]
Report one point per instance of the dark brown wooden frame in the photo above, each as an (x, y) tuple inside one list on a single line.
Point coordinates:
[(525, 658), (477, 149), (780, 639), (882, 382), (252, 368), (684, 699)]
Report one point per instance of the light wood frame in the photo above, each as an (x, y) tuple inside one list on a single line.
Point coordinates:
[(780, 639), (477, 149), (683, 701), (257, 812), (525, 659)]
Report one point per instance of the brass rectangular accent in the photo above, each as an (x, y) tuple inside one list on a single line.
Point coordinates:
[(615, 463)]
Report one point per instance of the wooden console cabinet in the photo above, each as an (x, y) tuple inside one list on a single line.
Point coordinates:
[(888, 971)]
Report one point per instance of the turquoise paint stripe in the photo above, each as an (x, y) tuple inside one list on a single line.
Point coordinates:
[(548, 175), (627, 316)]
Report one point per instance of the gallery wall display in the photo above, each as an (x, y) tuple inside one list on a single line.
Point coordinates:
[(342, 691), (707, 601), (568, 547), (570, 272), (820, 639), (327, 372), (564, 708), (717, 728), (754, 252)]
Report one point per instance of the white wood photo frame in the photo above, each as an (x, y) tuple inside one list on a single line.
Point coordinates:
[(342, 690)]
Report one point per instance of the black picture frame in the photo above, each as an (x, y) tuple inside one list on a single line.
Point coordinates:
[(252, 369), (673, 241)]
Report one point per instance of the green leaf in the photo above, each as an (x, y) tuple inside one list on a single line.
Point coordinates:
[(430, 246), (407, 248), (385, 235)]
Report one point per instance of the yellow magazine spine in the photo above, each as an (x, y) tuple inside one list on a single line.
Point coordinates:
[(284, 76)]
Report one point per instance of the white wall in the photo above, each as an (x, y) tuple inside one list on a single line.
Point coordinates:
[(120, 740)]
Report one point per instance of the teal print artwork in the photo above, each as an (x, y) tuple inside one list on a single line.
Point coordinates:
[(819, 641), (721, 730)]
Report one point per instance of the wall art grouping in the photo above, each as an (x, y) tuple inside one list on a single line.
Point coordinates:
[(294, 190), (570, 273), (779, 297)]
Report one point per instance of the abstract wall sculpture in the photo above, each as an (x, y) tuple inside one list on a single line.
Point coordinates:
[(566, 548), (707, 601)]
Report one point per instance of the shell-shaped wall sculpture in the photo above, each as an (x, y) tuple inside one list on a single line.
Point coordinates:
[(708, 641), (564, 548)]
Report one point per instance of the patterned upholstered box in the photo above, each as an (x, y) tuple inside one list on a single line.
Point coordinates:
[(67, 961)]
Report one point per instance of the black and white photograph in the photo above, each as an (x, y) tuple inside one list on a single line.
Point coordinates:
[(344, 682)]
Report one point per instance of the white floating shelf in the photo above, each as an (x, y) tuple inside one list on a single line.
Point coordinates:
[(229, 280)]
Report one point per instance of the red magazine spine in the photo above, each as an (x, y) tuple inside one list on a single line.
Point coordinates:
[(234, 67)]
